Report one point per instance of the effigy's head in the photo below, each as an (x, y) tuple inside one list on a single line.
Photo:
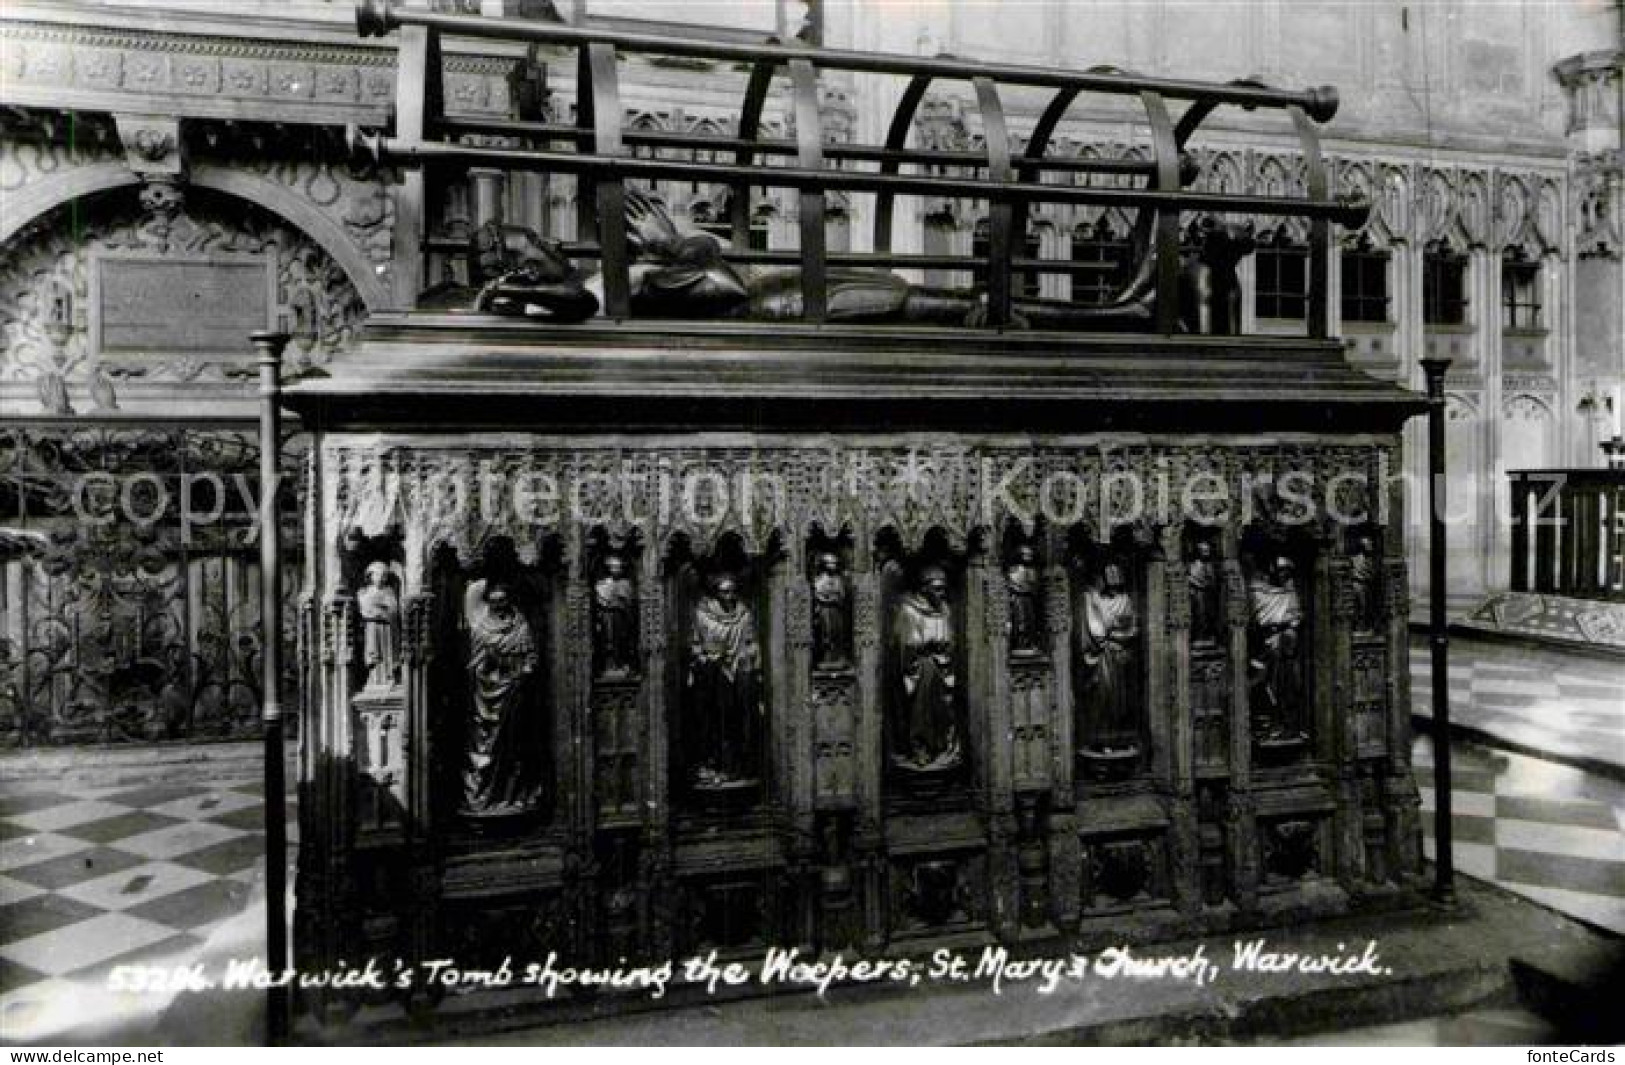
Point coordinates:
[(1283, 570), (614, 565), (934, 582), (499, 601), (1026, 555), (726, 590), (1112, 577), (378, 574), (829, 562)]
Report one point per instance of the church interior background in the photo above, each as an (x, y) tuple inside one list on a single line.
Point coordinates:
[(173, 179)]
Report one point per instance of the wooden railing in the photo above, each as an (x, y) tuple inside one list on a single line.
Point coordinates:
[(1568, 532), (1008, 178)]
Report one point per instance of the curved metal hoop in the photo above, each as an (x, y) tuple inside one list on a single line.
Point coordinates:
[(902, 120)]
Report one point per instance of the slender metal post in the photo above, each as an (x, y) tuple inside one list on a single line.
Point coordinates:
[(270, 347), (1444, 864)]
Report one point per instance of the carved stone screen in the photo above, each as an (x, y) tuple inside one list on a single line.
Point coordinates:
[(198, 305)]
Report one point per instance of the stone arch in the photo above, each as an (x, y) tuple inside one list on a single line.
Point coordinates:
[(26, 205), (326, 232), (22, 207)]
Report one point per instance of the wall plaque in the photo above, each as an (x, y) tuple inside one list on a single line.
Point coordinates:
[(165, 305)]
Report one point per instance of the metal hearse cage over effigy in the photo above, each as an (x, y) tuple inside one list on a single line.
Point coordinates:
[(599, 150)]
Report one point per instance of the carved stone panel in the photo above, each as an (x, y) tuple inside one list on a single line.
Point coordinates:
[(381, 747), (1292, 849), (1124, 871), (617, 722), (834, 714), (1210, 708), (1031, 700), (731, 913), (938, 893), (1369, 703)]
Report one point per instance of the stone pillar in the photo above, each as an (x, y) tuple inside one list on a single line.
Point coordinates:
[(1591, 84)]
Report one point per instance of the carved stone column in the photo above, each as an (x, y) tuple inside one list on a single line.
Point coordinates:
[(987, 691), (1156, 645), (1065, 852), (793, 730), (867, 839), (655, 886), (1172, 664), (1324, 720), (1240, 817), (329, 917), (1336, 671), (417, 654), (1401, 800), (789, 666)]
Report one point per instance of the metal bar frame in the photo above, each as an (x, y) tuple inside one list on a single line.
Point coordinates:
[(604, 161)]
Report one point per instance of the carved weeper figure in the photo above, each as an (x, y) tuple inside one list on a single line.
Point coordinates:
[(1363, 577), (926, 733), (614, 620), (503, 771), (831, 639), (725, 711), (1022, 580), (380, 609), (1277, 674), (1108, 638), (1203, 580)]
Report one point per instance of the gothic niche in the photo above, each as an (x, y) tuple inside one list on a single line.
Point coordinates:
[(1109, 654), (1292, 849), (1364, 550), (614, 609), (492, 734), (1122, 872), (831, 591), (1023, 585), (718, 739), (922, 597), (1209, 644), (1279, 644), (1204, 577), (372, 566), (613, 604)]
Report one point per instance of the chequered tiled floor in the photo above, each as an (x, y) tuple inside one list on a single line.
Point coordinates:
[(1568, 705), (113, 876), (103, 877), (1546, 831)]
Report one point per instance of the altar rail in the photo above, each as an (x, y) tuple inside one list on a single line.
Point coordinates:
[(597, 149), (1577, 547)]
